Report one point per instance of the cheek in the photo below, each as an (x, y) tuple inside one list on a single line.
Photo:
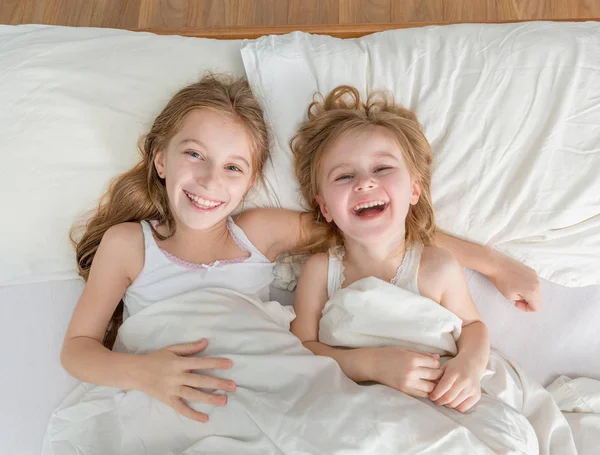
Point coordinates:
[(398, 186), (176, 169), (330, 194), (336, 198), (238, 185)]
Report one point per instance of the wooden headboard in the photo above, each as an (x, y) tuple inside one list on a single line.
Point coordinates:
[(337, 30)]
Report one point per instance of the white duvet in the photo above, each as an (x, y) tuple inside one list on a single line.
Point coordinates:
[(288, 401), (374, 313)]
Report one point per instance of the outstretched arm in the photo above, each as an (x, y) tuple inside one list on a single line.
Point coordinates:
[(514, 280)]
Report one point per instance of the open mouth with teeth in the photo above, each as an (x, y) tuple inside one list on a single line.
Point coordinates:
[(201, 203), (370, 209)]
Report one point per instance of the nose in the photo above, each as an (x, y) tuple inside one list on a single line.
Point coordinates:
[(365, 182), (208, 177)]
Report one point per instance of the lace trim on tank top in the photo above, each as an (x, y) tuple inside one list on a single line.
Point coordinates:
[(195, 266), (407, 255), (339, 252)]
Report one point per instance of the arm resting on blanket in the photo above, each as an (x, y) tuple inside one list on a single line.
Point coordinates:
[(514, 280), (162, 374), (474, 344), (459, 386), (409, 371), (447, 273), (89, 361), (353, 362)]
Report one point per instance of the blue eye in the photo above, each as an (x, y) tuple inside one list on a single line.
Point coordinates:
[(194, 154), (233, 168)]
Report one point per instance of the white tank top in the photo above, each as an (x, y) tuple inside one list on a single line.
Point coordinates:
[(406, 274), (164, 275)]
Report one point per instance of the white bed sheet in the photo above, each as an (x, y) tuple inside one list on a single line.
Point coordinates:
[(562, 339)]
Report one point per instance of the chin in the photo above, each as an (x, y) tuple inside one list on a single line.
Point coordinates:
[(372, 234)]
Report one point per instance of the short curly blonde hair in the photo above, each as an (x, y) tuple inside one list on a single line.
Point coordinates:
[(343, 111)]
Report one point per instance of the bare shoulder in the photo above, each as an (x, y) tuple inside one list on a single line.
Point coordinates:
[(438, 268), (311, 292), (273, 231), (438, 259), (317, 264), (248, 218), (124, 234), (313, 279), (123, 244)]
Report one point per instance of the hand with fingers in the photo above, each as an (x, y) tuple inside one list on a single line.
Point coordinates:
[(459, 387), (411, 372), (172, 377), (516, 282)]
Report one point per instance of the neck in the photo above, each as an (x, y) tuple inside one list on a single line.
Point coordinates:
[(200, 246), (211, 238), (376, 252)]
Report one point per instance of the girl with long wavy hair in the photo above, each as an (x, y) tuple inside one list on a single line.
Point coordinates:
[(165, 228)]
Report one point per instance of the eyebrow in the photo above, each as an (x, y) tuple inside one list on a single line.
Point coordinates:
[(378, 155), (201, 144), (195, 141), (335, 168)]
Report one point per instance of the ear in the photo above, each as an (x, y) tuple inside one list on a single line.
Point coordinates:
[(323, 208), (159, 163), (416, 192)]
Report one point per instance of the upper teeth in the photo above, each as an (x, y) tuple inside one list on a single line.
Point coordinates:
[(368, 204), (201, 201)]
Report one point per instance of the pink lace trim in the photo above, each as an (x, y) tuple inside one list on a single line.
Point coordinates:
[(194, 266)]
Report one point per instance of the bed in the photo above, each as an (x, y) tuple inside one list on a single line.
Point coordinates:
[(50, 73)]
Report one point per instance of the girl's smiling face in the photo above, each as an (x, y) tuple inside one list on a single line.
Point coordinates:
[(365, 186), (207, 167)]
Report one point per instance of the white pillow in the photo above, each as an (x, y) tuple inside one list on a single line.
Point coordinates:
[(74, 103), (512, 113)]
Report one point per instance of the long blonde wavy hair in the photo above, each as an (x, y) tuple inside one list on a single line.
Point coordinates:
[(339, 113), (140, 194)]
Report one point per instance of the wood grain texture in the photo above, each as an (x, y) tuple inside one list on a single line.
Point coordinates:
[(365, 11), (262, 12), (163, 13), (417, 11), (22, 11), (101, 13), (307, 12), (224, 14), (336, 30), (213, 13)]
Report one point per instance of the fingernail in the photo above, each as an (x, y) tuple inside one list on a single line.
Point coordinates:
[(203, 419), (223, 401), (231, 387)]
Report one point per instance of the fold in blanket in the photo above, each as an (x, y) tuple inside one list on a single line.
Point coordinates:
[(288, 401), (374, 313)]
